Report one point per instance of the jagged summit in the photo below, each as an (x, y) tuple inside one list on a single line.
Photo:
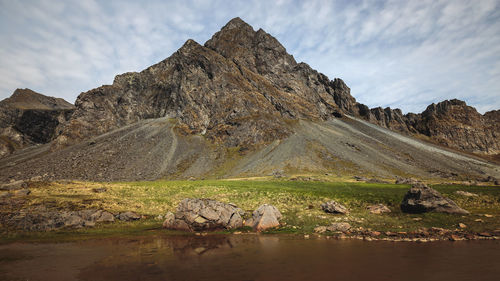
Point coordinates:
[(238, 23), (256, 50)]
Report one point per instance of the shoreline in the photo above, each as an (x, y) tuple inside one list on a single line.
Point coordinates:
[(299, 202)]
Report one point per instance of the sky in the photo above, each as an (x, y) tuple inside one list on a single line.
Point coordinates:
[(402, 54)]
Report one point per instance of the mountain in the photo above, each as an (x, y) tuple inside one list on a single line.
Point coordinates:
[(28, 118), (240, 96), (240, 105)]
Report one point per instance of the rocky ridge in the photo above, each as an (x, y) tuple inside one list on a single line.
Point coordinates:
[(28, 118), (242, 88)]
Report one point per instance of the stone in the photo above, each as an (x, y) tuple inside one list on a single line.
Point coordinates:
[(14, 185), (169, 220), (339, 226), (22, 192), (195, 214), (320, 229), (421, 198), (106, 217), (406, 180), (128, 216), (265, 217), (378, 209), (334, 208), (466, 194), (278, 174)]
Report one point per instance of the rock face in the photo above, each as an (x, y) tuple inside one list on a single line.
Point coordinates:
[(204, 214), (450, 123), (334, 208), (421, 198), (28, 118), (264, 217), (240, 88)]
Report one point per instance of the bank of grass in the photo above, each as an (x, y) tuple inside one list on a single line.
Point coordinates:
[(299, 202)]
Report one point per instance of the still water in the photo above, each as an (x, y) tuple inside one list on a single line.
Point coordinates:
[(249, 257)]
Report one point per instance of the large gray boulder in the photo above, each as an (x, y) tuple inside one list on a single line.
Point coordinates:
[(264, 217), (204, 214), (421, 198), (334, 208)]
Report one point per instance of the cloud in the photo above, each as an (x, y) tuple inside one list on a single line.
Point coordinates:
[(394, 53)]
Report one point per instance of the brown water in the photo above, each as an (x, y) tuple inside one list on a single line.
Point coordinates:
[(249, 257)]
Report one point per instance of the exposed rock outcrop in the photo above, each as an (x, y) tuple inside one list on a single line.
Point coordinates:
[(28, 118), (204, 214), (40, 220), (450, 123), (421, 198)]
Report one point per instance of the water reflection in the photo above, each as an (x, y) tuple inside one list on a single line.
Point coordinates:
[(248, 257)]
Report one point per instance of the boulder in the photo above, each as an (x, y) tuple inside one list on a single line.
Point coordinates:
[(339, 226), (204, 214), (466, 194), (320, 229), (421, 198), (99, 190), (169, 219), (128, 216), (334, 208), (378, 209), (265, 217), (406, 181), (22, 192)]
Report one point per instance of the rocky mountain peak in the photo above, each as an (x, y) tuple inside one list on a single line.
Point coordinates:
[(256, 50), (28, 117), (29, 99), (237, 23)]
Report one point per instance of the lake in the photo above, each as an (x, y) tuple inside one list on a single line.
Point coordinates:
[(249, 257)]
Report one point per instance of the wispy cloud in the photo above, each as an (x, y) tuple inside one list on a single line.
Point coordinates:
[(394, 53)]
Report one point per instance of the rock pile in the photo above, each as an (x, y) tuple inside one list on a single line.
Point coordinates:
[(50, 220)]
